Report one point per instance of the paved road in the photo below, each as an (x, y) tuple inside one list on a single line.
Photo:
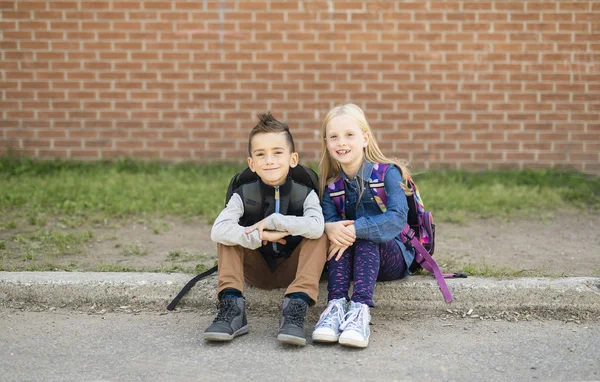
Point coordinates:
[(72, 346)]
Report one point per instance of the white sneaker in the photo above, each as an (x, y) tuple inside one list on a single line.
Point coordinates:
[(328, 327), (355, 328)]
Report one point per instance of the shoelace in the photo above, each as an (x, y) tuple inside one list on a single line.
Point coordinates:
[(296, 314), (356, 319), (226, 310), (331, 319)]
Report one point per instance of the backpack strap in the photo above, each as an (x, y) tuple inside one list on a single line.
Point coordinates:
[(378, 186), (189, 286), (252, 198), (428, 263), (298, 195), (337, 192), (418, 201), (306, 176)]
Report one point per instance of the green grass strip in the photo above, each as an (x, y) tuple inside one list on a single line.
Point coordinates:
[(114, 189), (455, 195), (125, 188)]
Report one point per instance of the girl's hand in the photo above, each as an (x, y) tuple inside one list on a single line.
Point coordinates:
[(274, 236), (341, 233), (336, 250)]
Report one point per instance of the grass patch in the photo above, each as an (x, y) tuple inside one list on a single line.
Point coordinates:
[(52, 243), (483, 270), (135, 249), (114, 189), (179, 256), (37, 220), (8, 225), (454, 196), (159, 226), (79, 192), (73, 266), (28, 256), (45, 266), (161, 269)]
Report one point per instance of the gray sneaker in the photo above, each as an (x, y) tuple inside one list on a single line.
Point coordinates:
[(328, 327), (355, 328), (230, 321), (291, 323)]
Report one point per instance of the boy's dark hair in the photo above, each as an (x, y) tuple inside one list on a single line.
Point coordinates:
[(269, 124)]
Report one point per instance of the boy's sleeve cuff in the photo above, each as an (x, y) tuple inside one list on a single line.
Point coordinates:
[(254, 240), (273, 221)]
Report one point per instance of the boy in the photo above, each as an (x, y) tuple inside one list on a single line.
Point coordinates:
[(268, 249)]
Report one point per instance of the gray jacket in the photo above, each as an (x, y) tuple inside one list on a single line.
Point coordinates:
[(227, 230)]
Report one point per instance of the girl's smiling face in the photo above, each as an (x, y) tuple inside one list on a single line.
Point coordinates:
[(345, 142)]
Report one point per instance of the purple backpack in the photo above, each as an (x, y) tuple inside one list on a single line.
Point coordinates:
[(419, 232)]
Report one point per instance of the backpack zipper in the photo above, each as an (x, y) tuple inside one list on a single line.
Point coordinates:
[(276, 211)]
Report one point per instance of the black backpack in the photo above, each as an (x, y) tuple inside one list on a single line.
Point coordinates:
[(300, 174)]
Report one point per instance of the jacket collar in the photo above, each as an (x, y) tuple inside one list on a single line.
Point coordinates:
[(283, 189), (364, 173)]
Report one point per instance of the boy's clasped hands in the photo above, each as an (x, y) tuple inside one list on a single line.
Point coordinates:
[(342, 235), (267, 235)]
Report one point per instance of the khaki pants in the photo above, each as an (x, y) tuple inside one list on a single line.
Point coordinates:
[(299, 273)]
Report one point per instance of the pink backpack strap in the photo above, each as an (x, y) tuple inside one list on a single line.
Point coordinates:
[(377, 185), (337, 192), (426, 261)]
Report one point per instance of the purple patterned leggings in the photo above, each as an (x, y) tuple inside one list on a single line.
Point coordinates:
[(368, 262)]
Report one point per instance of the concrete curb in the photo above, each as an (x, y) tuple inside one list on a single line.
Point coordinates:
[(579, 296)]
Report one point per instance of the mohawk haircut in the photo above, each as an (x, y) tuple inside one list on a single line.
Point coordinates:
[(269, 124)]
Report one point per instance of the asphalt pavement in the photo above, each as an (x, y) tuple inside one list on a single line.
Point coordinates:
[(86, 326), (69, 345)]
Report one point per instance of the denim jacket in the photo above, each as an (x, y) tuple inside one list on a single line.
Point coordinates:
[(370, 223)]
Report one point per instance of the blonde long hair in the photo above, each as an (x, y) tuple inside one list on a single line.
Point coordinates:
[(330, 170)]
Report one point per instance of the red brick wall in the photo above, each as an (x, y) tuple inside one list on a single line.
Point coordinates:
[(460, 84)]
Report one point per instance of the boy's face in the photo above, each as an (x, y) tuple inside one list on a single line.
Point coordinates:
[(271, 157)]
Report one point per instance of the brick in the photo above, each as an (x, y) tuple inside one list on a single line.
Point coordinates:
[(15, 15), (541, 27), (526, 17), (52, 153), (83, 154), (579, 27), (64, 5), (98, 143), (454, 67), (590, 17), (78, 15), (69, 25), (19, 134), (67, 143), (576, 6), (488, 156), (476, 27)]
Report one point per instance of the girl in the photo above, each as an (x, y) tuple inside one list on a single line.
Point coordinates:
[(365, 244)]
